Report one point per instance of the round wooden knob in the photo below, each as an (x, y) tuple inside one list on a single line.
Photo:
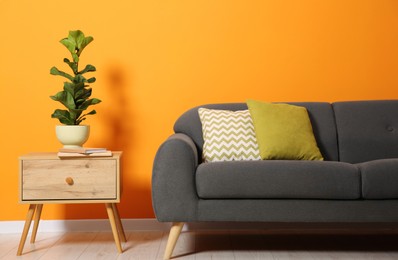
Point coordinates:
[(69, 180)]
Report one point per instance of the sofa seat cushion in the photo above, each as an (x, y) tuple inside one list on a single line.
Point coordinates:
[(379, 179), (278, 179)]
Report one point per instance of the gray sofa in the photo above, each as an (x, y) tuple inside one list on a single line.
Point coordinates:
[(357, 182)]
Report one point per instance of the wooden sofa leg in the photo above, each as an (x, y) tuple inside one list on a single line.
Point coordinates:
[(175, 232)]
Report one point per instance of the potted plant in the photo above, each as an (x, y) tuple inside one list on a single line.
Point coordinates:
[(75, 95)]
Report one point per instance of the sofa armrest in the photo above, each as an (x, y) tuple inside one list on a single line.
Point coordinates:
[(174, 195)]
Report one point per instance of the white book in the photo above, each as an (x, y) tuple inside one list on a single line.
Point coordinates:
[(83, 150), (84, 155)]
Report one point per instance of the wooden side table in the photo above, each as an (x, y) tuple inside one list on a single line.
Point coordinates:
[(45, 178)]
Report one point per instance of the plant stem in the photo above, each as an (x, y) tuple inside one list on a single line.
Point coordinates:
[(77, 68)]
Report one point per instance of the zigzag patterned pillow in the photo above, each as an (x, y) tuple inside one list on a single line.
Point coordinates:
[(228, 135)]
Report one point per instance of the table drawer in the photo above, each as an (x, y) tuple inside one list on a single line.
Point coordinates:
[(69, 179)]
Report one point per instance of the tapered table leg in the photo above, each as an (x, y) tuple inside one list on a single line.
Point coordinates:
[(39, 207), (26, 227), (111, 215), (119, 225)]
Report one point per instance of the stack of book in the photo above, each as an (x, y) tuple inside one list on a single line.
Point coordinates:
[(83, 152)]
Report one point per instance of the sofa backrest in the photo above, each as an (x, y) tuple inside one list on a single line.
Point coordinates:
[(367, 130), (321, 116)]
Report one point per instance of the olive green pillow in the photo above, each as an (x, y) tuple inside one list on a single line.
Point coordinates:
[(284, 132)]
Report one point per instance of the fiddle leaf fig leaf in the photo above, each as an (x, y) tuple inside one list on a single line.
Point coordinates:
[(75, 113), (95, 101), (77, 36), (79, 88), (79, 79), (92, 112), (83, 94), (69, 44), (89, 102), (65, 98), (74, 89), (55, 71), (63, 117), (84, 43), (69, 87), (88, 68), (91, 80)]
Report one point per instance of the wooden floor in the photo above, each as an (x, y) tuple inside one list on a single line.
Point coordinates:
[(149, 245)]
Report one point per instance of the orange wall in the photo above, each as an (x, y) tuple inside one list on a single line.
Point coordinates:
[(155, 59)]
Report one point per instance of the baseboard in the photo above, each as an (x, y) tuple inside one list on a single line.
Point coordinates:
[(102, 225), (84, 225)]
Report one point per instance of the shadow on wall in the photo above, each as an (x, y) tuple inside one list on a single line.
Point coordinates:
[(117, 136), (118, 129)]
